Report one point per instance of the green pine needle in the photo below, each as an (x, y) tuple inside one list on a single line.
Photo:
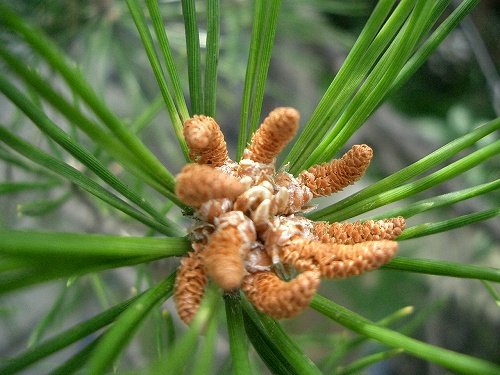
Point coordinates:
[(17, 187), (65, 338), (119, 334), (428, 229), (73, 78), (38, 156), (263, 32), (194, 56), (446, 358), (164, 45), (280, 353), (345, 82), (147, 40), (212, 57), (442, 268), (237, 338)]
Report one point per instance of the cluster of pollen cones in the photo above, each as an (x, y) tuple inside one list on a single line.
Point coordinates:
[(248, 232)]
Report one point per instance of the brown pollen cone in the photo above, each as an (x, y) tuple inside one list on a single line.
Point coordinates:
[(303, 254), (273, 135), (226, 248), (205, 141), (350, 233), (190, 284), (197, 184), (280, 299), (338, 260), (351, 260), (328, 178)]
